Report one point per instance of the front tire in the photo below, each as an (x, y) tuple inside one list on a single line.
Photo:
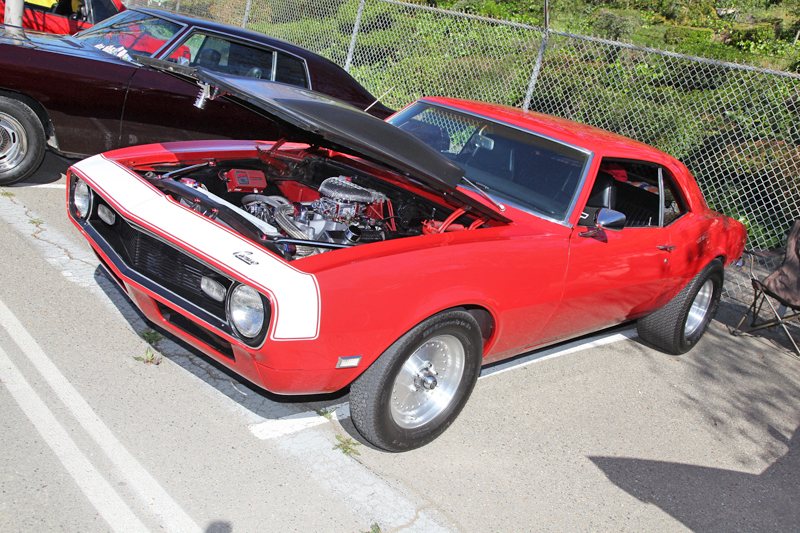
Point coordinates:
[(676, 327), (418, 386), (22, 141)]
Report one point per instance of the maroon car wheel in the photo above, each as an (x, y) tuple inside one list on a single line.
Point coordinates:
[(417, 387), (22, 141)]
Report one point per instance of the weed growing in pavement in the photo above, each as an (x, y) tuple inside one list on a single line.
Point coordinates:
[(348, 446), (6, 193), (152, 337), (374, 528), (37, 221), (327, 414), (150, 357)]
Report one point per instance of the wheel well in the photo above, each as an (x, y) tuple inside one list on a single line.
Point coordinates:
[(484, 319), (37, 108)]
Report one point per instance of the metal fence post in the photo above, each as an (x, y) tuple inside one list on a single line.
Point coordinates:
[(177, 6), (246, 13), (352, 48), (539, 57), (536, 69)]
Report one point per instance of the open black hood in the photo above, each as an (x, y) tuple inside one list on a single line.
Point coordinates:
[(324, 121)]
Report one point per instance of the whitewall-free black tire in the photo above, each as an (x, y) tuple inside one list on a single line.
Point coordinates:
[(413, 392)]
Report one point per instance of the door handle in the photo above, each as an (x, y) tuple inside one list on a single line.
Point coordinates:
[(666, 248)]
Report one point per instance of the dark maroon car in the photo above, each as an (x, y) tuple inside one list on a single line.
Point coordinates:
[(98, 90)]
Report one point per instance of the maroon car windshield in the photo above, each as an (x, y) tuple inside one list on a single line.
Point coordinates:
[(512, 165), (130, 31)]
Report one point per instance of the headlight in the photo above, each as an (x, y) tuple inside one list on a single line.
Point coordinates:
[(246, 309), (82, 198)]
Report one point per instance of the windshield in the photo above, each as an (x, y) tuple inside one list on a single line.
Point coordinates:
[(130, 31), (514, 166)]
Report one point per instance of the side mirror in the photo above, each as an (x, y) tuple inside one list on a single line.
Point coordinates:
[(606, 219)]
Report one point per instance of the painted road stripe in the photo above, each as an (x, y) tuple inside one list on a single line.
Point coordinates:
[(101, 495), (287, 425), (154, 497), (47, 186), (280, 427), (558, 351)]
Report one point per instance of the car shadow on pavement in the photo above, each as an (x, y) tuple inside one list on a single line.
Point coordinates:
[(747, 391), (50, 171), (711, 500)]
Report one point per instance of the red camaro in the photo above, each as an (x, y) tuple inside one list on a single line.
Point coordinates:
[(65, 16), (398, 257)]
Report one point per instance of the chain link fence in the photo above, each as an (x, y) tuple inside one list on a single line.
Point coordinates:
[(736, 127)]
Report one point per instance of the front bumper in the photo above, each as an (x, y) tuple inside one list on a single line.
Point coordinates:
[(160, 266)]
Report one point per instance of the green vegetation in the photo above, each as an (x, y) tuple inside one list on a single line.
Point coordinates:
[(152, 337), (347, 446), (151, 357)]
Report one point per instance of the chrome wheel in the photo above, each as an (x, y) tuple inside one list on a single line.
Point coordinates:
[(13, 142), (699, 309), (427, 381)]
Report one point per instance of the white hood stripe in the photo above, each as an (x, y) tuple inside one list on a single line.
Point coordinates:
[(294, 294)]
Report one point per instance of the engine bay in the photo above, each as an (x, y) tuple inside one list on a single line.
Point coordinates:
[(298, 207)]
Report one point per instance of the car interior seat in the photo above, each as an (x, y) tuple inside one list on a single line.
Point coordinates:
[(208, 58), (604, 192)]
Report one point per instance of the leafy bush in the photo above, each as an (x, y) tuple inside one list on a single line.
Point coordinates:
[(742, 35), (686, 34)]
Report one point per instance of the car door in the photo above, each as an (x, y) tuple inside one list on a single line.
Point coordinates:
[(614, 276)]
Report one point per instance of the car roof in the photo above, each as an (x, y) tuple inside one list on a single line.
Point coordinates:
[(242, 33), (582, 135), (326, 76)]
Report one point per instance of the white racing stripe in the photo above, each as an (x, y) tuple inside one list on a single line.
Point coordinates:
[(155, 498), (102, 496)]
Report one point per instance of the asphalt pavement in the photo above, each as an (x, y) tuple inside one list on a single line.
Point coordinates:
[(603, 434)]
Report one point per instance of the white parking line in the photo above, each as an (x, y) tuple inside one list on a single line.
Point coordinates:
[(280, 427), (48, 186), (287, 425), (155, 498), (104, 498), (564, 349)]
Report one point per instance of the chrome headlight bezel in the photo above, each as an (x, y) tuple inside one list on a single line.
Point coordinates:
[(248, 313)]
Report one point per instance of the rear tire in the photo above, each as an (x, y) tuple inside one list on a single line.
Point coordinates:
[(22, 141), (418, 386), (676, 327)]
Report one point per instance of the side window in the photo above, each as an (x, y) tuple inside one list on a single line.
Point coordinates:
[(644, 192), (291, 70), (221, 55), (674, 204)]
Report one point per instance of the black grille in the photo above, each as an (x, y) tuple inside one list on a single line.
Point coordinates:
[(163, 264)]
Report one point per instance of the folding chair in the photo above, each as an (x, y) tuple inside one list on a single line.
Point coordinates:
[(783, 286)]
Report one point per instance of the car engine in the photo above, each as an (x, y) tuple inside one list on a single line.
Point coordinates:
[(299, 210), (339, 216)]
